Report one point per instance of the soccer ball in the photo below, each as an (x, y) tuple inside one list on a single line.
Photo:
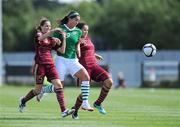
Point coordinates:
[(149, 50)]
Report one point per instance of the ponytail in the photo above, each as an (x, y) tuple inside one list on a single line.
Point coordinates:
[(38, 28), (64, 20)]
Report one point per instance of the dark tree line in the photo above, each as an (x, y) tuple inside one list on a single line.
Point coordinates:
[(114, 24)]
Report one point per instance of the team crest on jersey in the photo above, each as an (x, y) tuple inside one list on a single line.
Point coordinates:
[(67, 35)]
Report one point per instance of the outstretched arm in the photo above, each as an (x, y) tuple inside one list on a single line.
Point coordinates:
[(48, 34)]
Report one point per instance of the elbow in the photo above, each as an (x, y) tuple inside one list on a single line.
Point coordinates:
[(62, 51)]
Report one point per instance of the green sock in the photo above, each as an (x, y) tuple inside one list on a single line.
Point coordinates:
[(85, 90)]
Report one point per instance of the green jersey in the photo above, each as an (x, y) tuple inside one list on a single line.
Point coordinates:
[(72, 38)]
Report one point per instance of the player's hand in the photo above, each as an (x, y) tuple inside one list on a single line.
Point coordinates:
[(58, 41)]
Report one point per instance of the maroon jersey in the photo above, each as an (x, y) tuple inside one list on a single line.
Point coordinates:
[(87, 53), (43, 49)]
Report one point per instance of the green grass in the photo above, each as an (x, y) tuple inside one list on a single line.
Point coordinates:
[(125, 107)]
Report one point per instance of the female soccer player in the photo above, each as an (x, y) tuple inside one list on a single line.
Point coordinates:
[(44, 64), (68, 62), (88, 59)]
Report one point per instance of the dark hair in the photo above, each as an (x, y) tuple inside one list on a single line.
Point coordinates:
[(71, 15), (81, 25)]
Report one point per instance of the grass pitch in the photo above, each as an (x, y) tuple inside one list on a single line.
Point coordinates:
[(125, 108)]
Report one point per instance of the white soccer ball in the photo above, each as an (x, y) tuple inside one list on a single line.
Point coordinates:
[(149, 49)]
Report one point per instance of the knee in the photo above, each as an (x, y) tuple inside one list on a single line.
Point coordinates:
[(58, 84), (85, 77), (108, 82)]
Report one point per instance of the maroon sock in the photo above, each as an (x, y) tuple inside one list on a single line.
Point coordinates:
[(103, 95), (78, 103), (60, 97), (29, 96)]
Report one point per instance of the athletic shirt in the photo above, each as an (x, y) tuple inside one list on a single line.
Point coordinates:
[(72, 38), (87, 53), (43, 49)]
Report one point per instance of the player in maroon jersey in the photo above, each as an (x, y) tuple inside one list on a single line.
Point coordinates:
[(44, 65), (88, 59)]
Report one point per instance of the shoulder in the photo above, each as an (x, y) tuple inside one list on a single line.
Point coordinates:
[(61, 26), (78, 30)]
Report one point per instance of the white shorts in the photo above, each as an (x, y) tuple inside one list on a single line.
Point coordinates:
[(67, 66)]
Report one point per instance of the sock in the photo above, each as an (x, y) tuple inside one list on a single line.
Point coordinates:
[(103, 94), (78, 103), (60, 98), (29, 96), (48, 89), (85, 87)]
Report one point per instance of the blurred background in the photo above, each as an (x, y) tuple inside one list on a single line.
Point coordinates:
[(119, 29)]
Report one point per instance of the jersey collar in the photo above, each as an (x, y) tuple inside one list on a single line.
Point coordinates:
[(70, 29)]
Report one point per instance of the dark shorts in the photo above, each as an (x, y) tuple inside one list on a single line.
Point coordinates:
[(42, 70), (97, 73)]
